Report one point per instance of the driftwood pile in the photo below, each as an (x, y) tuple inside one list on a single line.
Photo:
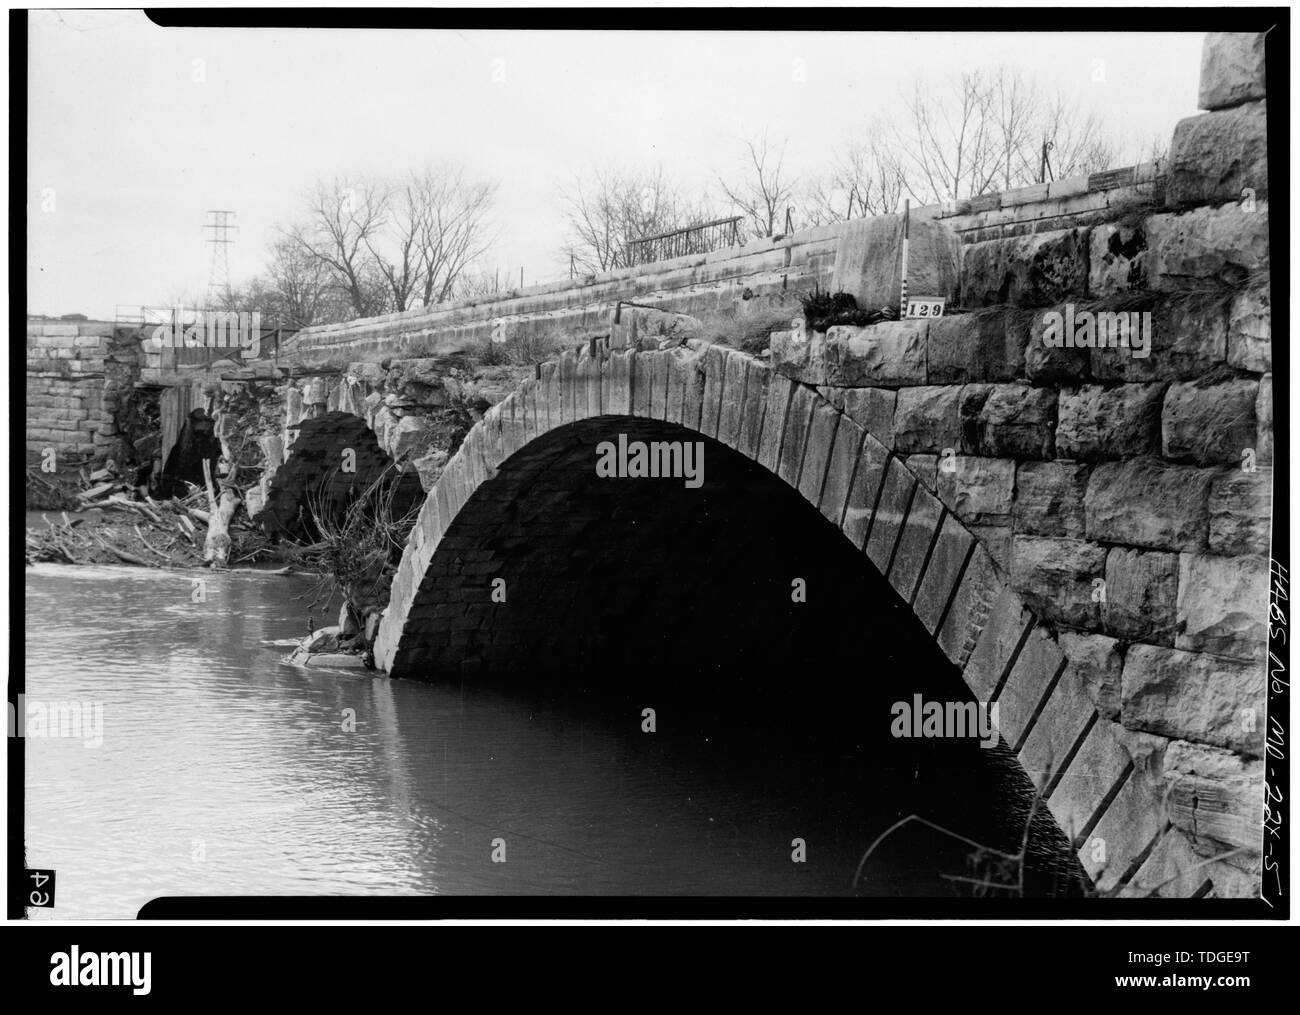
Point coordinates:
[(113, 525)]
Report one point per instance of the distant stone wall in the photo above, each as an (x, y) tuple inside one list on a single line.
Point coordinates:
[(77, 375)]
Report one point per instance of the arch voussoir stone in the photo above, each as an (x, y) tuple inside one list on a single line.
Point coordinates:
[(935, 564)]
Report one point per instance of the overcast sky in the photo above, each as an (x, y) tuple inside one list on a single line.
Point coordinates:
[(135, 149)]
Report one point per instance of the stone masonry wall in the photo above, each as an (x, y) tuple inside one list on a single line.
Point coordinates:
[(1085, 531), (1127, 499), (77, 373), (702, 285)]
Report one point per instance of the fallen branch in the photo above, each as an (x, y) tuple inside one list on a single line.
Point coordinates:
[(135, 506), (130, 558), (216, 547), (148, 546)]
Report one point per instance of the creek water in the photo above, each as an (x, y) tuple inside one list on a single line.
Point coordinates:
[(219, 769)]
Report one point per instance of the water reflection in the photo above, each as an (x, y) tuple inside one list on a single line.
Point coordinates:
[(225, 771)]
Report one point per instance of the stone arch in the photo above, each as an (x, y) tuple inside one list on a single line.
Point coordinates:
[(1098, 795), (316, 471)]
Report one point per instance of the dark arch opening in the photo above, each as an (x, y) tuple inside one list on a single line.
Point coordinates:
[(318, 477), (629, 593)]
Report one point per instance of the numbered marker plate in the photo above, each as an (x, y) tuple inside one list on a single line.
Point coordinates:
[(924, 306), (40, 888)]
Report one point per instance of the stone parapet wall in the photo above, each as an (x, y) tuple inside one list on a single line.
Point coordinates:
[(1051, 206), (703, 285)]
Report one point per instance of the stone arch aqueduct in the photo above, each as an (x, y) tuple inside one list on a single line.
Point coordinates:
[(997, 483)]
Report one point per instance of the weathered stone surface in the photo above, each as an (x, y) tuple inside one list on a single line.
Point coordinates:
[(1048, 364), (1018, 422), (1215, 795), (926, 420), (779, 392), (860, 508), (1211, 423), (1049, 498), (1032, 271), (326, 639), (940, 578), (868, 260), (1218, 156), (996, 539), (1056, 577), (1172, 871), (817, 453), (1188, 336), (646, 328), (336, 661), (1129, 825), (969, 609), (839, 474), (1232, 69), (970, 406), (758, 377), (1032, 674), (1175, 870), (890, 354), (1117, 258), (1118, 422), (975, 347), (871, 408), (1240, 509), (1250, 331), (714, 362), (1194, 696), (1222, 245), (1264, 421), (891, 512), (1229, 882), (1223, 605), (1095, 662), (979, 491), (1065, 715), (1092, 774), (1148, 503), (798, 423), (733, 395), (923, 519), (925, 468), (1141, 595), (410, 438)]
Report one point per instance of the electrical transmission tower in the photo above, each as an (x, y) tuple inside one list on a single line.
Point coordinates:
[(221, 224)]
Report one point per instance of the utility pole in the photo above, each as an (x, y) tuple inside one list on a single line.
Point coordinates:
[(220, 223)]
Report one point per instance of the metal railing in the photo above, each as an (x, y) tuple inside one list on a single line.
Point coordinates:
[(148, 317), (699, 239)]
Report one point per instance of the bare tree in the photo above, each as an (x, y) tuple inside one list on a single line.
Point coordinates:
[(989, 132), (865, 179), (474, 283), (1078, 142), (608, 208), (390, 244), (453, 231), (1014, 110), (760, 190), (946, 141), (300, 286), (344, 217)]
